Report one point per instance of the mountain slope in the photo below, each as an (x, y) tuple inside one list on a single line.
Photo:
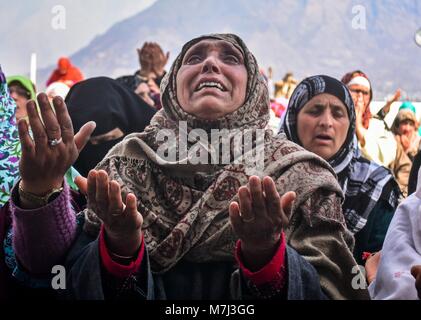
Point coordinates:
[(303, 36)]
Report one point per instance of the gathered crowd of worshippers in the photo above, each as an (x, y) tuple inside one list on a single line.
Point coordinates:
[(85, 184)]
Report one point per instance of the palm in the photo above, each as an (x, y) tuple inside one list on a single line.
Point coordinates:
[(261, 214), (122, 221), (43, 165)]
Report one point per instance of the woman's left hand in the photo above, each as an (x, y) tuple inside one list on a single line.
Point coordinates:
[(122, 220), (371, 266), (416, 272), (259, 218)]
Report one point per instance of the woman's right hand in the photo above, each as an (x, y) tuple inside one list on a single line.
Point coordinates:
[(416, 273), (122, 221), (359, 110), (43, 166), (371, 266)]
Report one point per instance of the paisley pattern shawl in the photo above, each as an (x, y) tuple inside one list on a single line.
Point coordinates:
[(185, 206)]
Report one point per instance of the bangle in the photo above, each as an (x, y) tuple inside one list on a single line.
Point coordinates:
[(117, 256), (124, 260)]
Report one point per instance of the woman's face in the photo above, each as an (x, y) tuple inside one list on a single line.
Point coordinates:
[(19, 95), (212, 80), (407, 128), (360, 95), (322, 125)]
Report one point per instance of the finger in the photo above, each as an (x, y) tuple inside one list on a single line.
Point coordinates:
[(38, 130), (82, 184), (287, 201), (257, 199), (27, 145), (272, 198), (131, 209), (416, 272), (131, 203), (64, 120), (51, 124), (84, 134), (115, 200), (234, 214), (246, 210), (91, 188), (102, 191)]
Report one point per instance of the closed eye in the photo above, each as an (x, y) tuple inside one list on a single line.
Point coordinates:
[(338, 112), (316, 110)]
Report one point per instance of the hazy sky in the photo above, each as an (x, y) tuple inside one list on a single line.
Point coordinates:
[(27, 27)]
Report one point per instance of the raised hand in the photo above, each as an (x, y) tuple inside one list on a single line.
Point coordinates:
[(122, 221), (152, 59), (397, 95), (416, 272), (359, 110), (159, 59), (259, 218), (389, 103), (405, 141), (53, 149), (371, 266)]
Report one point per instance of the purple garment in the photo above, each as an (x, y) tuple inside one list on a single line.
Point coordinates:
[(43, 236), (4, 225)]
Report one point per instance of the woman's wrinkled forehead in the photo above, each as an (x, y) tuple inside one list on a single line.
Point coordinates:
[(208, 43)]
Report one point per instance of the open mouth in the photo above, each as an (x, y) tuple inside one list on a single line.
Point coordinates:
[(210, 84), (324, 137)]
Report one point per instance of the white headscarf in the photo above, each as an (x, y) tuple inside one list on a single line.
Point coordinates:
[(401, 251)]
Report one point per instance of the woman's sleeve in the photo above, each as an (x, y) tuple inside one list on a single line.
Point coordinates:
[(270, 280), (43, 236), (93, 275), (286, 276)]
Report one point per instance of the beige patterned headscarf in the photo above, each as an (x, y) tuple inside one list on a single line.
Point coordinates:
[(185, 206)]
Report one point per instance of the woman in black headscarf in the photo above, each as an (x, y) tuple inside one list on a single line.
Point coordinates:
[(116, 111), (321, 118)]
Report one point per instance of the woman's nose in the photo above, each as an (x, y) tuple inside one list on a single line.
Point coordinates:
[(210, 65), (326, 120), (406, 127), (13, 95)]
